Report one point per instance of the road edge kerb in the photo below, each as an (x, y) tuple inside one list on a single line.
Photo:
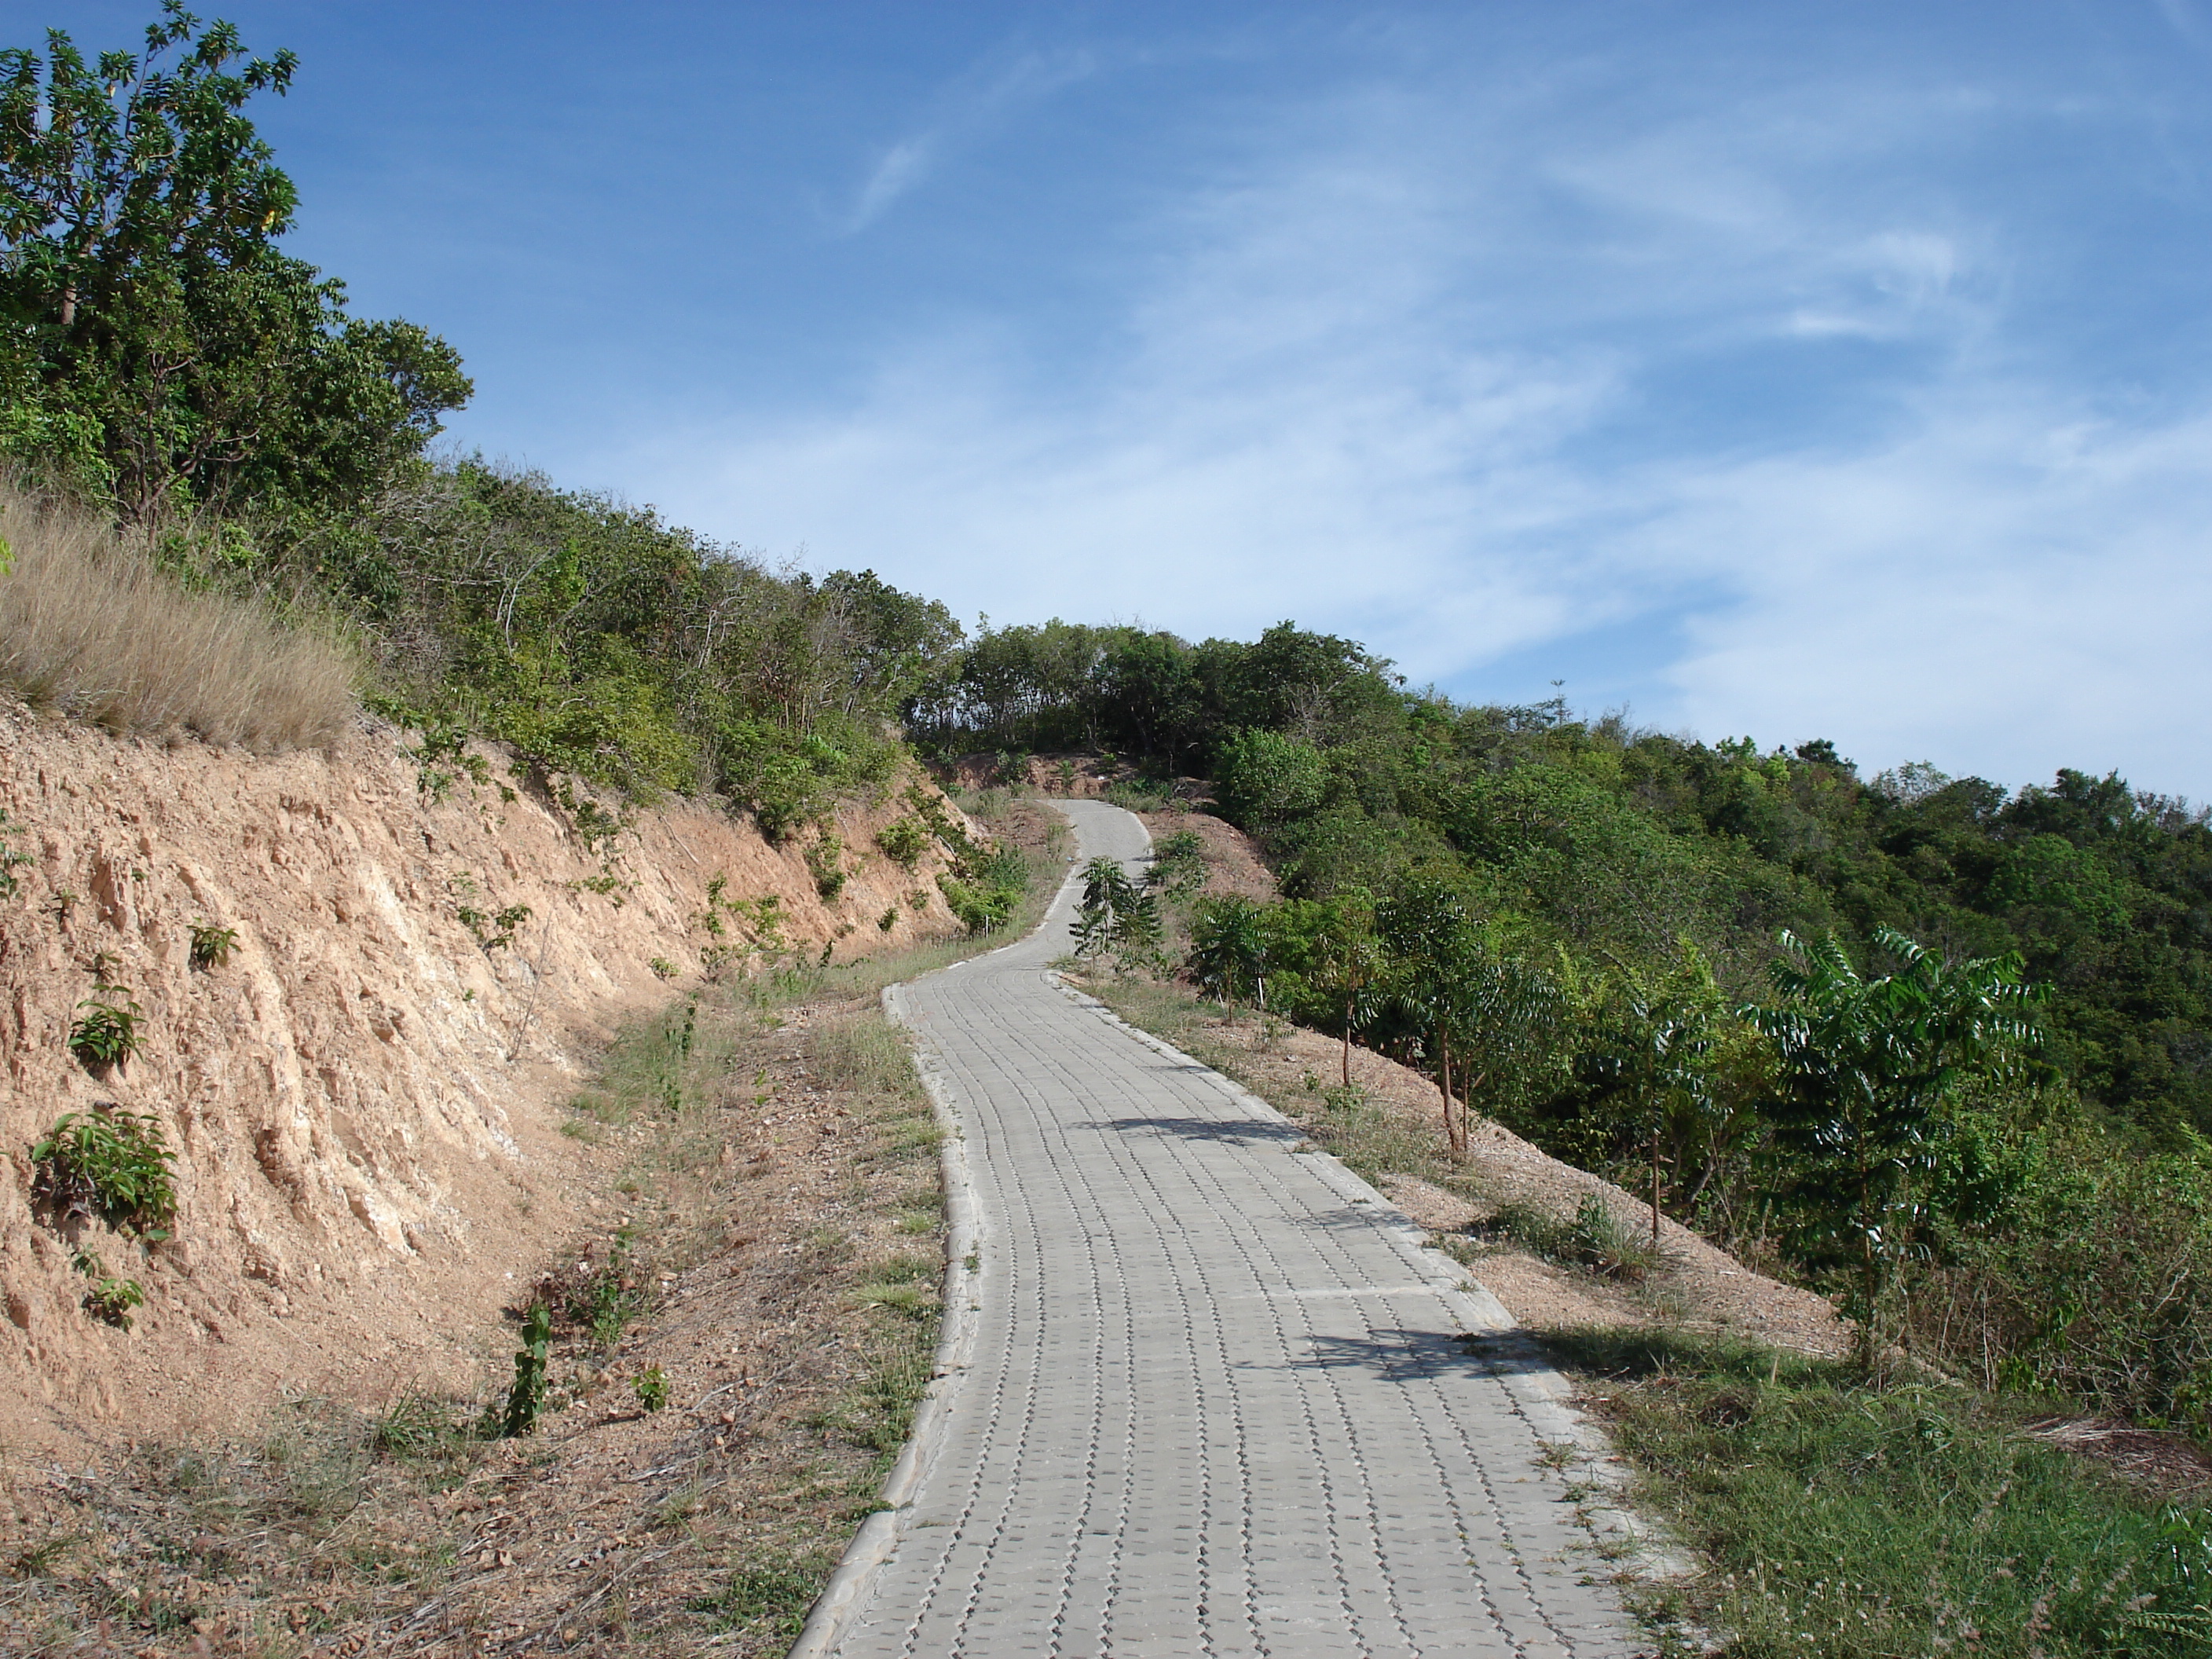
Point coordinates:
[(1542, 1395), (878, 1534)]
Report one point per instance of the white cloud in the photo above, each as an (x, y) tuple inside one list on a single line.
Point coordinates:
[(2003, 591), (1393, 379), (903, 165), (964, 112)]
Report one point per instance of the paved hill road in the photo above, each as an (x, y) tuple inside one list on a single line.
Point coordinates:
[(1210, 1398)]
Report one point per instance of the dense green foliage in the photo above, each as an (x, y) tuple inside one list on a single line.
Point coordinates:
[(600, 641), (153, 344), (1618, 843), (1588, 932), (109, 1165), (1577, 926), (1116, 914)]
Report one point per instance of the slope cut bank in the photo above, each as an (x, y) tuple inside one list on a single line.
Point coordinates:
[(363, 1098)]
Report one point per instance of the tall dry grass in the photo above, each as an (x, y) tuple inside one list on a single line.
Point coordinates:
[(92, 628)]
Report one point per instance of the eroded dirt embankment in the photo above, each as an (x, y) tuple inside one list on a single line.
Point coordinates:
[(364, 1099)]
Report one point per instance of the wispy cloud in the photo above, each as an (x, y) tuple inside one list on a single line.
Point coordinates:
[(902, 167), (963, 113), (1476, 378)]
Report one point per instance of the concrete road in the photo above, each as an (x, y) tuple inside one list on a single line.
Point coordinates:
[(1210, 1396)]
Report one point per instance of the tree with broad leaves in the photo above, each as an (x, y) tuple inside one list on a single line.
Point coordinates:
[(1351, 966), (1866, 1069), (1115, 914), (150, 332), (1435, 945), (1654, 1043), (1229, 954)]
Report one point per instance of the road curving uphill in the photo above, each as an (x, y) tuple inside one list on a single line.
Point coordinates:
[(1204, 1391)]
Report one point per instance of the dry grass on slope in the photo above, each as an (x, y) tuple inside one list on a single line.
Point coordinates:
[(92, 630)]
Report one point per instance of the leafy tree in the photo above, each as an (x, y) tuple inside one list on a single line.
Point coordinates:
[(1351, 965), (1115, 914), (1867, 1067), (153, 341), (1146, 682), (1658, 1042), (1228, 954), (1438, 977), (1264, 779)]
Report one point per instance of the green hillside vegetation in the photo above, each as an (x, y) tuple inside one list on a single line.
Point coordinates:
[(1578, 920), (168, 371), (1591, 927)]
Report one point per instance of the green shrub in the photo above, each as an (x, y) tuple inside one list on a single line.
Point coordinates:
[(2092, 1278), (1179, 866), (494, 932), (651, 1387), (212, 946), (987, 886), (605, 1300), (825, 862), (110, 1299), (106, 1033), (110, 1164), (1262, 778), (903, 841)]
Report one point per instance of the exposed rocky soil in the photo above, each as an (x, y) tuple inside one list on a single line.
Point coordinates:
[(765, 1258), (363, 1098)]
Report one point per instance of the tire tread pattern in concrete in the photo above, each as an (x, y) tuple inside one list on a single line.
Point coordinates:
[(1207, 1394)]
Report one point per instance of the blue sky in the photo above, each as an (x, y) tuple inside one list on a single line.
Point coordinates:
[(1792, 370)]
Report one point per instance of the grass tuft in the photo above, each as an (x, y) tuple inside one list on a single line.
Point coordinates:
[(1594, 1237), (1840, 1520), (865, 1054), (94, 630)]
